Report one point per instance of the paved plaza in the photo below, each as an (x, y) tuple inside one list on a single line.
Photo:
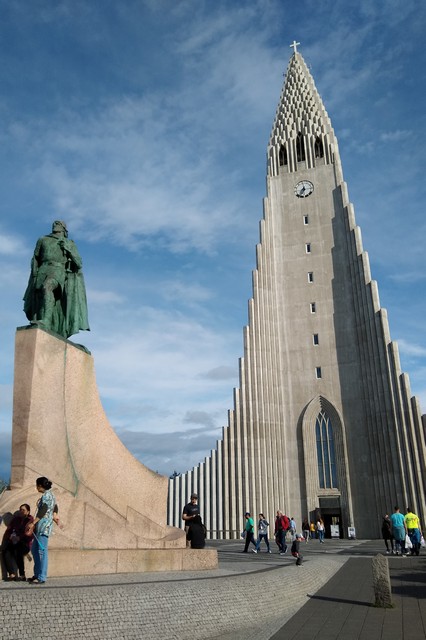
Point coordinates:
[(251, 596)]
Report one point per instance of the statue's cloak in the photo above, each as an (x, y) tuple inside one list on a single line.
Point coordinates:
[(70, 313)]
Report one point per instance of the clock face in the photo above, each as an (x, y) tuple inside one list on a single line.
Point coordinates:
[(303, 189)]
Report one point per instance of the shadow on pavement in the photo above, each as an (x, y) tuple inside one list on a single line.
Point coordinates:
[(341, 600)]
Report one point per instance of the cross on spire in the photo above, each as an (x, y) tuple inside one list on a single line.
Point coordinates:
[(294, 45)]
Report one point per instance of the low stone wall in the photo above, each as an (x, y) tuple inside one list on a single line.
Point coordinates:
[(76, 562)]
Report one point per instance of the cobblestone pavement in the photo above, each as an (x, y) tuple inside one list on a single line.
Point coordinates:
[(250, 596)]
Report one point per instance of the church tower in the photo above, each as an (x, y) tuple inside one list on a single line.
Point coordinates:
[(323, 421)]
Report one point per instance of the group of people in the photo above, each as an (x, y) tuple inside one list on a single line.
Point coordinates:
[(196, 531), (311, 531), (26, 534), (402, 533), (283, 526)]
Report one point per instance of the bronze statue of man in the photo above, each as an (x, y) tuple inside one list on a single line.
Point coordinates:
[(55, 298)]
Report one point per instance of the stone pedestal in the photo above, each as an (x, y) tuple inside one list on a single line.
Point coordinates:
[(112, 506)]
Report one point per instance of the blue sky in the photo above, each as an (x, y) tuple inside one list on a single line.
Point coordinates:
[(144, 125)]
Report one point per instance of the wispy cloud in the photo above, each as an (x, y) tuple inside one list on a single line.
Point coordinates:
[(396, 136), (409, 277), (411, 349), (220, 373), (180, 450), (11, 245)]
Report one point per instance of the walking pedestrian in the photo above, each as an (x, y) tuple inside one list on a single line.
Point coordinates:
[(399, 531), (387, 534), (282, 525), (262, 532), (305, 529), (320, 530), (248, 532), (414, 531)]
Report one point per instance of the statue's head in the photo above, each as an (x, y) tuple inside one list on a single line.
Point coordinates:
[(58, 225)]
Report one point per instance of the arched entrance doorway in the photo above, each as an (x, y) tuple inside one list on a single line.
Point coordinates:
[(326, 467)]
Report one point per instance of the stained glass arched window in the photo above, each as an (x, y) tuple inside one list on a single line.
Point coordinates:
[(325, 452)]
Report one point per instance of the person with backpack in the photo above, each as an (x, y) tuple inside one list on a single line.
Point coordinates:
[(282, 525)]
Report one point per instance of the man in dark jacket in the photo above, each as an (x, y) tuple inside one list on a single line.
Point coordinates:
[(282, 525), (196, 533), (387, 533)]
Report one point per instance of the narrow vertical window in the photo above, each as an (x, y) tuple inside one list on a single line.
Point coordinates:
[(315, 338), (308, 247), (305, 220), (313, 307), (300, 148), (319, 148), (318, 373), (283, 156), (310, 276), (320, 455)]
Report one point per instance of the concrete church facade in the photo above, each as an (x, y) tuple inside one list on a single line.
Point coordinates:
[(323, 421)]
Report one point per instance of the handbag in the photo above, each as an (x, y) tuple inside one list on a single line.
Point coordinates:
[(422, 542), (408, 543)]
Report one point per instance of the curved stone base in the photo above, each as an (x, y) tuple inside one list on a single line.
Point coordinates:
[(108, 501)]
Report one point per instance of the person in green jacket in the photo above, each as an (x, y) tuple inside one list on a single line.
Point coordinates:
[(249, 532)]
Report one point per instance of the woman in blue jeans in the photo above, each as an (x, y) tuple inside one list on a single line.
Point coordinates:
[(262, 530), (320, 530), (42, 528)]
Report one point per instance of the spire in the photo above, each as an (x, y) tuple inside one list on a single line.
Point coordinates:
[(302, 136)]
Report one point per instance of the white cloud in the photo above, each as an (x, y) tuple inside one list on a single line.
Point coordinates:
[(409, 277), (104, 297), (411, 349), (221, 373), (396, 136), (198, 417), (174, 451), (191, 293), (11, 245)]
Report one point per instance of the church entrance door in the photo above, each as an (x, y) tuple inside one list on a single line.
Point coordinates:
[(333, 524)]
